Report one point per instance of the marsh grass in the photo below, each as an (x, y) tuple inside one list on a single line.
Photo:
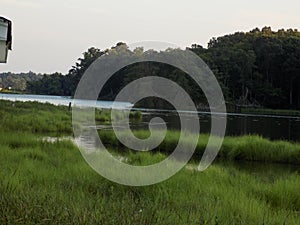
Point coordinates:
[(137, 115), (50, 183), (34, 117), (43, 118), (245, 148)]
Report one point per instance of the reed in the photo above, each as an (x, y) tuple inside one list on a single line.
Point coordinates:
[(49, 183)]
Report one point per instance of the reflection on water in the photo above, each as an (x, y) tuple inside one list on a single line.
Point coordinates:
[(272, 127)]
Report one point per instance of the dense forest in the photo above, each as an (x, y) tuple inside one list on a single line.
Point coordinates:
[(260, 68), (17, 81)]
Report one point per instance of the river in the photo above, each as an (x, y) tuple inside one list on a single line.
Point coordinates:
[(272, 127)]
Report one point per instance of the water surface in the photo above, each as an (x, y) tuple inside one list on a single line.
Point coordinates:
[(273, 127)]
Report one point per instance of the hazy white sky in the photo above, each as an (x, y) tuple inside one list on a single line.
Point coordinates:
[(49, 35)]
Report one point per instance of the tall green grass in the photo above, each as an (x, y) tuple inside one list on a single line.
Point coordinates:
[(50, 183), (43, 182), (46, 118), (248, 148), (34, 117), (43, 118)]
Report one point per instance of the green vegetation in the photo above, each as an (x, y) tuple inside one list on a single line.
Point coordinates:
[(279, 112), (137, 115), (245, 148), (34, 117), (16, 81), (46, 118), (256, 68), (6, 91), (48, 182)]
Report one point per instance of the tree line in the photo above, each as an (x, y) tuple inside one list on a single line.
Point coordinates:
[(17, 81), (260, 68)]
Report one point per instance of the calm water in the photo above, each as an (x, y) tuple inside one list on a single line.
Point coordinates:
[(273, 127), (63, 100)]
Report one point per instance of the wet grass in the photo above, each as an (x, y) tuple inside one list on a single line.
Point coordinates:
[(50, 183), (43, 182), (245, 148)]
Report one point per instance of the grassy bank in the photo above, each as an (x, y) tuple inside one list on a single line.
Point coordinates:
[(50, 183), (34, 117), (43, 119), (277, 112), (47, 118), (247, 148)]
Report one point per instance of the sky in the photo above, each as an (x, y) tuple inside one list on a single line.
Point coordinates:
[(50, 35)]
